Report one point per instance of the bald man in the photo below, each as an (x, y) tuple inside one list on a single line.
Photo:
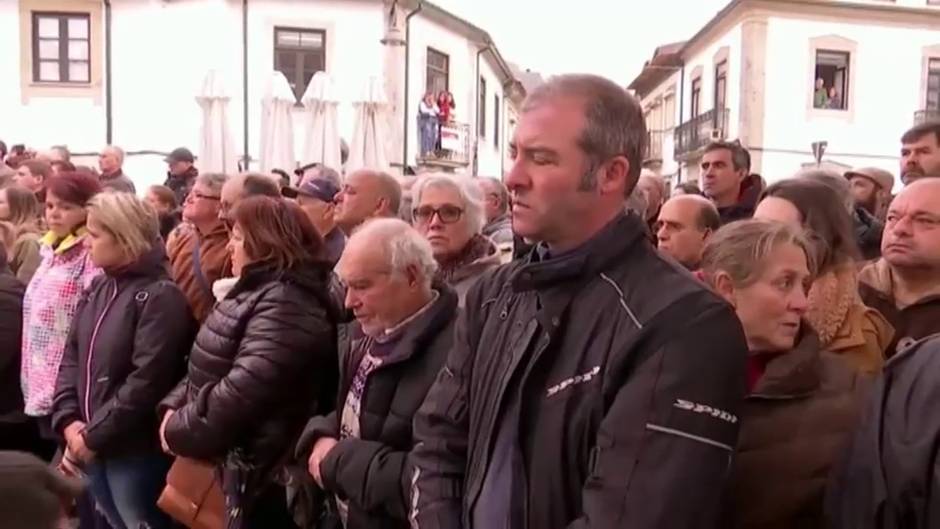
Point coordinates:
[(904, 285), (241, 187), (366, 194), (111, 163), (686, 222)]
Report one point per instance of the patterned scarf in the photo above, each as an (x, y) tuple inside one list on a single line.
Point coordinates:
[(830, 298), (452, 270)]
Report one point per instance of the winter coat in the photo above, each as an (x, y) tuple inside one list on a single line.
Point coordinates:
[(169, 222), (751, 188), (127, 350), (844, 325), (500, 230), (477, 257), (214, 264), (368, 472), (912, 323), (11, 337), (622, 420), (891, 479), (25, 257), (118, 182), (795, 427), (48, 309), (868, 231), (263, 362), (182, 184)]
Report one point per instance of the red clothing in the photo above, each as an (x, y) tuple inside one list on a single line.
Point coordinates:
[(756, 365)]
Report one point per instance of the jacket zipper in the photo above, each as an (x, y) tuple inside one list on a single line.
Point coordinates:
[(91, 352)]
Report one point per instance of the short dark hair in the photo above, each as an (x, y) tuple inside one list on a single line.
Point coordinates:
[(708, 217), (917, 132), (690, 188), (277, 231), (64, 166), (740, 158), (828, 224), (165, 195), (260, 185), (75, 187)]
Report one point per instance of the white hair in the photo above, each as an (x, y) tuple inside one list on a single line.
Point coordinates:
[(117, 151), (467, 188), (402, 245), (214, 181)]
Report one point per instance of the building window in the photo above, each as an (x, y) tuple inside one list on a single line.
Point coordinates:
[(298, 54), (438, 72), (669, 112), (721, 85), (933, 83), (696, 97), (481, 129), (495, 121), (61, 48), (831, 89)]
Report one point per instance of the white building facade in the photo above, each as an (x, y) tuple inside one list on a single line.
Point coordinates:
[(84, 73), (751, 74)]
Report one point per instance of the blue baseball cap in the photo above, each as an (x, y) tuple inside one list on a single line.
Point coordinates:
[(319, 188)]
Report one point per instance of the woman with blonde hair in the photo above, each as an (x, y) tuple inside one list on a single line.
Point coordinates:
[(803, 403), (19, 206), (127, 350)]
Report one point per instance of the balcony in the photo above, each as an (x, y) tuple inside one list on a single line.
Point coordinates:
[(699, 132), (653, 155), (454, 148), (923, 116)]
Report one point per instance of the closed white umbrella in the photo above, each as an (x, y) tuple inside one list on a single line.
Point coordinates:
[(277, 127), (216, 143), (321, 123), (370, 136)]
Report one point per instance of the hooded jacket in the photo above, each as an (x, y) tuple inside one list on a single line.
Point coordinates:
[(795, 427), (891, 479), (126, 351), (751, 189), (182, 184), (621, 421), (369, 471), (912, 323)]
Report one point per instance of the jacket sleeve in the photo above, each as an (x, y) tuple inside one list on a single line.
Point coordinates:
[(65, 405), (161, 339), (367, 473), (434, 473), (280, 341), (317, 428), (664, 447), (27, 258), (175, 399)]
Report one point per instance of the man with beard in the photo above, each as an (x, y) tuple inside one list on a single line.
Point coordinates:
[(920, 152), (871, 189)]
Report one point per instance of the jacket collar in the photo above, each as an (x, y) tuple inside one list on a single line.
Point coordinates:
[(609, 246), (422, 329), (880, 278), (70, 241), (153, 263), (795, 373)]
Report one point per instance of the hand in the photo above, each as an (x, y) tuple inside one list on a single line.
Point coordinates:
[(80, 450), (320, 450), (72, 431), (163, 443), (69, 466)]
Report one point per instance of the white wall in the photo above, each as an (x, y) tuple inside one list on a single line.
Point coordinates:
[(670, 85), (489, 163), (887, 92)]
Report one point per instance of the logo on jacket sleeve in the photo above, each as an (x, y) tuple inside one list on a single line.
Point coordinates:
[(707, 410), (573, 381)]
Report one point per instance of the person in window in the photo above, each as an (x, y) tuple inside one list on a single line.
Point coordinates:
[(125, 352), (18, 206), (821, 96), (448, 212), (445, 106), (427, 124), (803, 403), (264, 361), (53, 294), (843, 324), (835, 100)]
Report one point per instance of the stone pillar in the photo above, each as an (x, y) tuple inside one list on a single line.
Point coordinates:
[(393, 45), (753, 81)]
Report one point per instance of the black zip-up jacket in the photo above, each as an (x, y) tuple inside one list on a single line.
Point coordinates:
[(368, 471), (126, 350), (629, 376), (891, 477), (11, 340)]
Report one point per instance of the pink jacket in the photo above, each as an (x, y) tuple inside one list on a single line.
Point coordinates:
[(51, 301)]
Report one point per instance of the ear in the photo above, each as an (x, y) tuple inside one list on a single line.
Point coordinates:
[(411, 275), (382, 205), (613, 175), (725, 288)]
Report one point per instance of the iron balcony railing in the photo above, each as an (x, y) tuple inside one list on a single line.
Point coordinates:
[(654, 146), (923, 116), (700, 131), (454, 146)]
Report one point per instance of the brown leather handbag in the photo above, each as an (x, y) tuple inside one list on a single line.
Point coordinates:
[(193, 495)]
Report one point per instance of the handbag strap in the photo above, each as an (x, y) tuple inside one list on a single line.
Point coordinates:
[(197, 269)]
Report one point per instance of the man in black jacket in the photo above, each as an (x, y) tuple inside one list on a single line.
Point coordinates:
[(404, 330), (593, 384)]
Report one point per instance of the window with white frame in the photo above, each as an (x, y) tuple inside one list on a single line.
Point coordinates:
[(831, 83)]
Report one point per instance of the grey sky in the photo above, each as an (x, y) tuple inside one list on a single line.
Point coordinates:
[(608, 37)]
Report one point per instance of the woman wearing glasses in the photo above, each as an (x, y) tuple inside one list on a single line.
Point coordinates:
[(197, 247), (449, 213)]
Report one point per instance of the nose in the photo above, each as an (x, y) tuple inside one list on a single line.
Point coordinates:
[(435, 222), (516, 177), (901, 227), (799, 301), (350, 301)]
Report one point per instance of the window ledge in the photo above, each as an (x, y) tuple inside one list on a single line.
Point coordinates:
[(843, 115), (66, 90)]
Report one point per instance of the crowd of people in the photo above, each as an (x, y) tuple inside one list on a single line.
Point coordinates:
[(573, 345)]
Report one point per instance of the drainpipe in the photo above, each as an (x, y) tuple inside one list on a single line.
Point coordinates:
[(681, 104), (476, 105), (246, 158), (108, 117), (404, 146)]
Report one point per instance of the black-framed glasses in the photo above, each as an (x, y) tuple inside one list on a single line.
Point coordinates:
[(447, 213), (196, 194)]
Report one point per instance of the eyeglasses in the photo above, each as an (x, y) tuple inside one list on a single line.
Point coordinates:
[(196, 194), (447, 213)]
